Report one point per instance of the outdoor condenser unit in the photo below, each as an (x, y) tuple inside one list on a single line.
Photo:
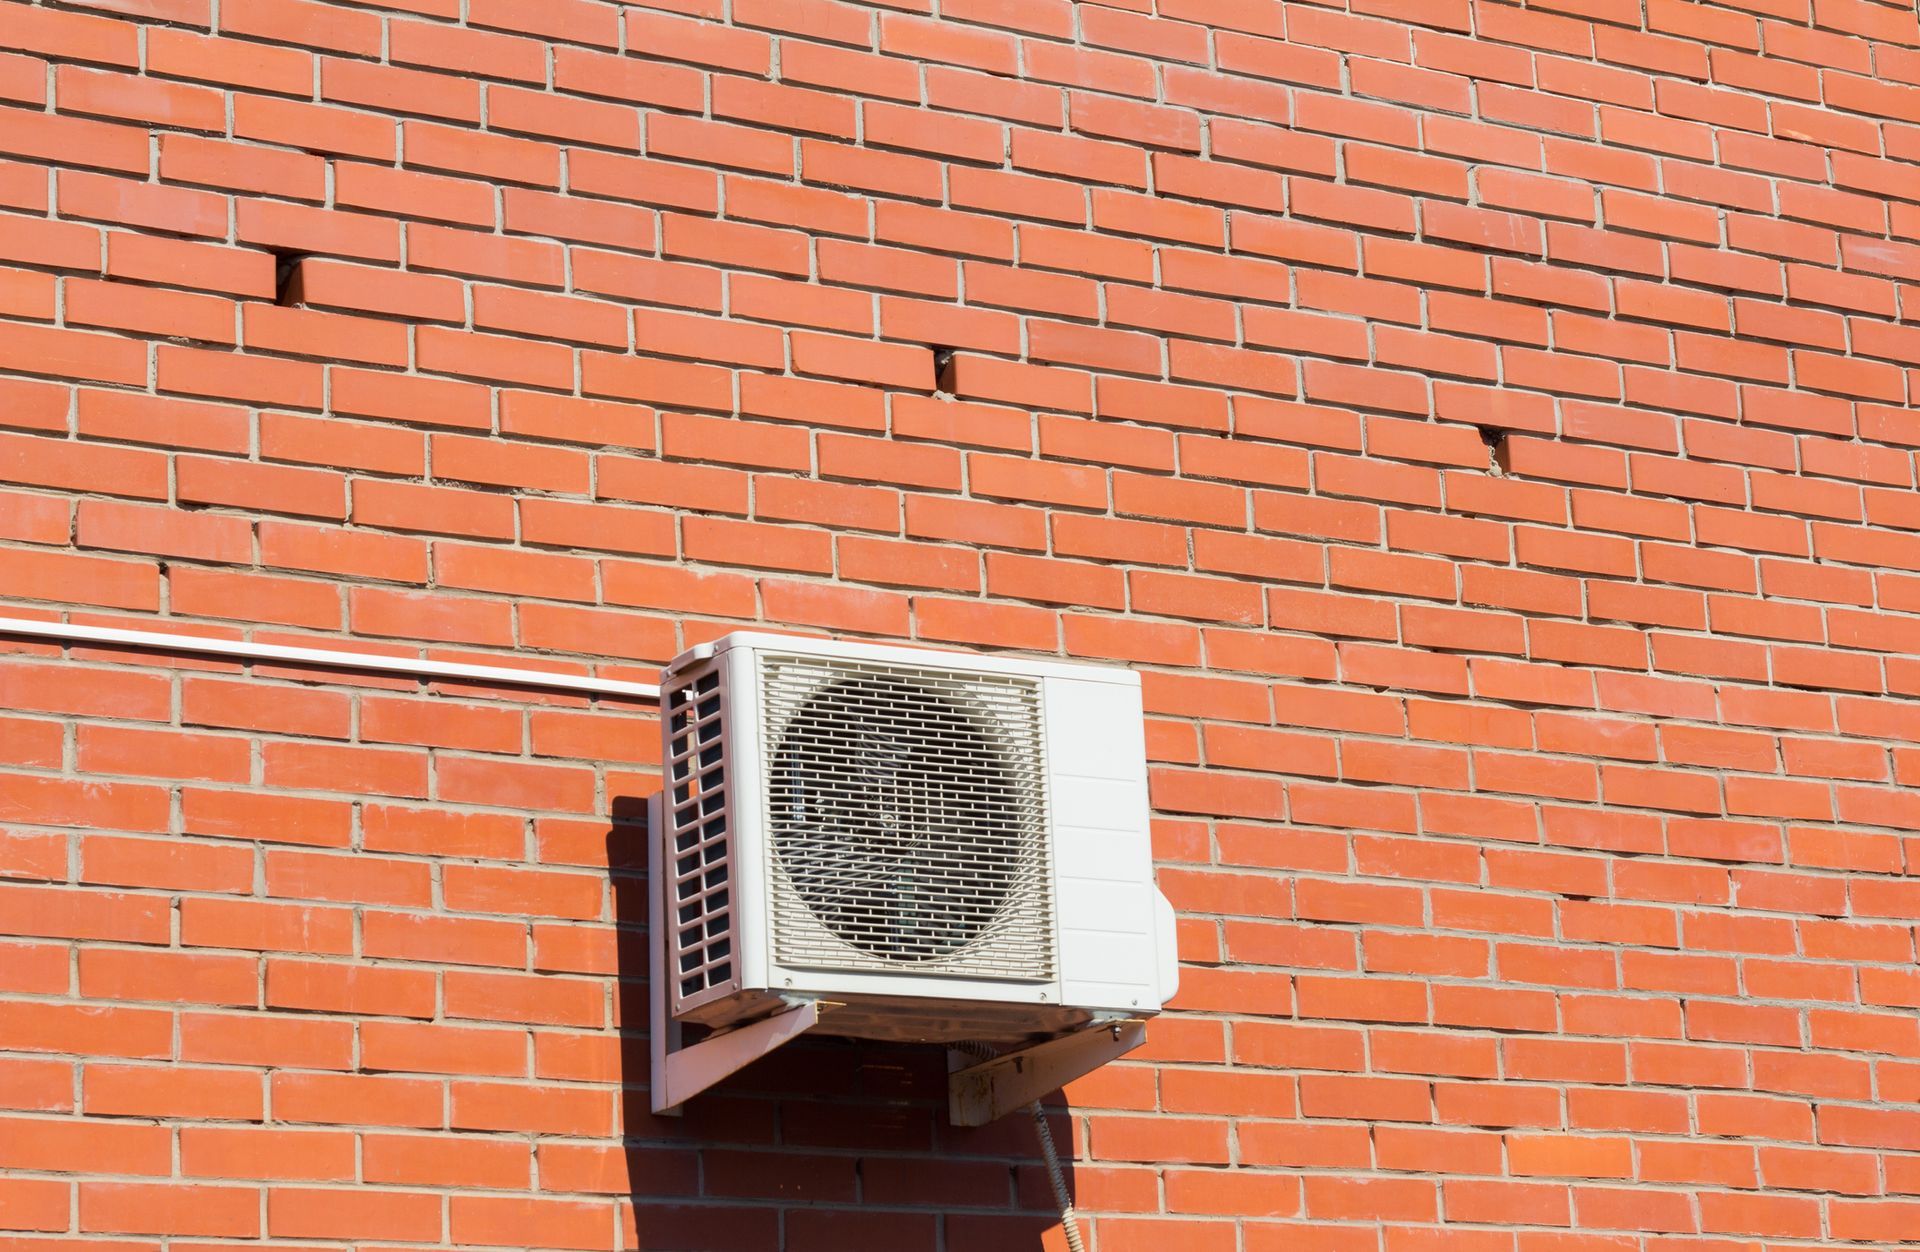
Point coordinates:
[(890, 843)]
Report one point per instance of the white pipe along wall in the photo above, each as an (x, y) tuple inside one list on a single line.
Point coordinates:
[(161, 641)]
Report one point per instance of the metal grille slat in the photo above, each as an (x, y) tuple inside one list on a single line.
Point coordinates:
[(699, 830), (906, 813)]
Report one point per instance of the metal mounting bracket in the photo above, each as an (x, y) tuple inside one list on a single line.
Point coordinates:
[(679, 1073), (987, 1090)]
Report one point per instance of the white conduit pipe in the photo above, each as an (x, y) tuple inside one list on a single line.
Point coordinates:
[(160, 641)]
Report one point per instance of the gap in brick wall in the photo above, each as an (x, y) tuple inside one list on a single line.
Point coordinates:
[(286, 276), (1495, 438)]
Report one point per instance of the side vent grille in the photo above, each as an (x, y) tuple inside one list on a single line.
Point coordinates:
[(699, 840), (906, 816)]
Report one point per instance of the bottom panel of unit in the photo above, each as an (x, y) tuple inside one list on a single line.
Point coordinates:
[(904, 1019)]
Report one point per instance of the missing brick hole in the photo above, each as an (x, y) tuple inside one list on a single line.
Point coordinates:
[(286, 277), (1495, 440), (943, 371)]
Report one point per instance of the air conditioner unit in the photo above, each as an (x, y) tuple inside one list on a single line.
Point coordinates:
[(891, 843)]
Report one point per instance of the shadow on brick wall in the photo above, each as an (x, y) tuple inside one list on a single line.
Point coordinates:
[(827, 1145)]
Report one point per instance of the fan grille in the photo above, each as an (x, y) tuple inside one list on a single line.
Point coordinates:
[(906, 813)]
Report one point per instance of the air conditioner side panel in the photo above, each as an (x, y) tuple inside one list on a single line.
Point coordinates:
[(697, 916), (750, 831), (1103, 856)]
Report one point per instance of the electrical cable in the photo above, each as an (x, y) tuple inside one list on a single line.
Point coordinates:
[(1069, 1222)]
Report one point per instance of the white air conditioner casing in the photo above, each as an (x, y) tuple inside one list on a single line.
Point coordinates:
[(938, 846)]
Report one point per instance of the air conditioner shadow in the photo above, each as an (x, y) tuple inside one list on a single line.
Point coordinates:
[(827, 1145)]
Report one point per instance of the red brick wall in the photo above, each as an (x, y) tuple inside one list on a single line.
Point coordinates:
[(1487, 428)]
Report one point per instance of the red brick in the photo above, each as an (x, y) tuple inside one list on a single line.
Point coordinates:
[(331, 1213), (1411, 767), (44, 137), (77, 1146), (172, 1091), (171, 1208), (236, 1152), (464, 941), (260, 1039)]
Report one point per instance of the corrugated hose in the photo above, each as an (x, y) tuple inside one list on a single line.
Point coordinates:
[(1044, 1133)]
